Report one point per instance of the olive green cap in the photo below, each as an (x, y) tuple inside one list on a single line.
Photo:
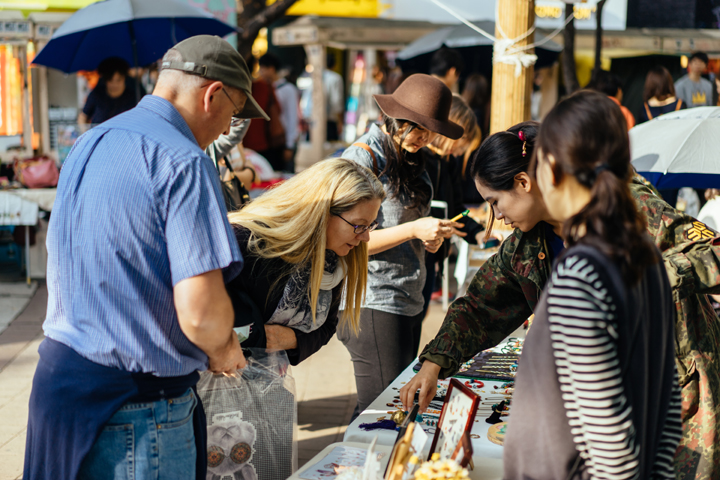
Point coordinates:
[(211, 57)]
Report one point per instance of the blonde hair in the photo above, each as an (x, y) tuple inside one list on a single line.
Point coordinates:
[(463, 115), (290, 222)]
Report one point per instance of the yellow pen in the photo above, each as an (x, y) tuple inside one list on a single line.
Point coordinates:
[(458, 217)]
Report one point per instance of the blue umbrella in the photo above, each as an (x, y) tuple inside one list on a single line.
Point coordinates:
[(138, 31)]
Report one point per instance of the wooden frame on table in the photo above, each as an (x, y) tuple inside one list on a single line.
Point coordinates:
[(456, 418), (463, 452)]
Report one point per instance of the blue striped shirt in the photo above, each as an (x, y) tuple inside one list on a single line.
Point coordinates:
[(138, 209)]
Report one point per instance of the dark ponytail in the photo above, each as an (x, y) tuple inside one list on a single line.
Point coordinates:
[(501, 157), (587, 135), (404, 170)]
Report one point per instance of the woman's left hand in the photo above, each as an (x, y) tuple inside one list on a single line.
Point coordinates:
[(433, 246), (280, 338)]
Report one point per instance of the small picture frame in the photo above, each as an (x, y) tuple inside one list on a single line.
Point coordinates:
[(464, 451), (456, 418)]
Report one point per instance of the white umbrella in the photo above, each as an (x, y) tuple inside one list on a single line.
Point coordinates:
[(679, 149)]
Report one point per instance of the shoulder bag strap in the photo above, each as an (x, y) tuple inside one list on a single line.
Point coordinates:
[(366, 147), (647, 110)]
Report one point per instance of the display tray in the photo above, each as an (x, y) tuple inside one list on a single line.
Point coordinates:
[(488, 365)]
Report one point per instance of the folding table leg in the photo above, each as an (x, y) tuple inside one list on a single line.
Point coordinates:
[(27, 253)]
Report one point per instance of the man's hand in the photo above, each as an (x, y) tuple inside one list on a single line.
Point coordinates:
[(230, 360), (425, 380), (206, 317), (278, 337)]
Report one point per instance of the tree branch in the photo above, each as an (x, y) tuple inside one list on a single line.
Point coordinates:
[(569, 69), (265, 17)]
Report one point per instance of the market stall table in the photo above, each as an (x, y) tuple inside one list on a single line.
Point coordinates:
[(487, 456), (21, 207), (17, 211)]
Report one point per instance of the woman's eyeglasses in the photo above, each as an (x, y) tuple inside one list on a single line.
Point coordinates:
[(360, 229)]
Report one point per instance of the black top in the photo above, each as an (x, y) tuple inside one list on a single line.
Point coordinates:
[(596, 392), (256, 293), (554, 242), (657, 111), (99, 106), (470, 194), (447, 187)]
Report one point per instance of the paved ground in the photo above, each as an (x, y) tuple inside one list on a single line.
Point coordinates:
[(325, 383)]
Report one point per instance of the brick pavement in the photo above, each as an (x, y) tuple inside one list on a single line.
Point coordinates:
[(324, 383)]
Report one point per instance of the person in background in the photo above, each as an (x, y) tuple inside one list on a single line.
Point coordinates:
[(599, 363), (692, 88), (443, 161), (113, 94), (334, 100), (288, 97), (446, 65), (659, 98), (266, 137), (294, 277), (219, 152), (611, 85), (392, 313), (659, 95), (139, 250), (476, 93)]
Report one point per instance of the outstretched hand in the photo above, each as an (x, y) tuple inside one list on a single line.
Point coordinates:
[(426, 381)]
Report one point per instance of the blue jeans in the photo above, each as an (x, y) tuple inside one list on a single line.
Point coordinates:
[(144, 441)]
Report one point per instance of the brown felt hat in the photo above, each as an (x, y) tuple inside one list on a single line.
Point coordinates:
[(424, 100)]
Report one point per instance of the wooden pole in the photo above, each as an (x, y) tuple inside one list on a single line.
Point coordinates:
[(510, 102), (43, 104), (598, 37), (26, 81)]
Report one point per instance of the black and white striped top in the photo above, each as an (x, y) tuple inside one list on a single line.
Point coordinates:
[(597, 378), (584, 333)]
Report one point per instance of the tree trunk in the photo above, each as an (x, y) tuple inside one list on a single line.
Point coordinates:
[(256, 15), (568, 63), (598, 36), (510, 99)]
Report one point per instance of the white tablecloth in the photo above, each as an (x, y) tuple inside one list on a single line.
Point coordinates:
[(15, 210), (487, 456), (44, 197), (482, 447)]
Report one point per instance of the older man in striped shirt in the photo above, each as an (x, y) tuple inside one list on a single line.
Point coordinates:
[(139, 248)]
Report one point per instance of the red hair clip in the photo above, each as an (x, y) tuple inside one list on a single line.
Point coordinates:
[(521, 136)]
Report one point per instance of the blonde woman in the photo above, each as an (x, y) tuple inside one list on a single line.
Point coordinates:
[(304, 244)]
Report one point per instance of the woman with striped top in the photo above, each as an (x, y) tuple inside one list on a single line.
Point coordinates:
[(596, 393)]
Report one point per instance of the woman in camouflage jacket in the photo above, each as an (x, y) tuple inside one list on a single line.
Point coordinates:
[(504, 292)]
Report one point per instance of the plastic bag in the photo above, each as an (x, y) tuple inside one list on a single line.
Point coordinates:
[(251, 419)]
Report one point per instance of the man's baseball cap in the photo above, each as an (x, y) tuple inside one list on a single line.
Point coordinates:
[(213, 58)]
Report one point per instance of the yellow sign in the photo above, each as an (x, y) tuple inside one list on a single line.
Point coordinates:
[(44, 5), (552, 11), (337, 8)]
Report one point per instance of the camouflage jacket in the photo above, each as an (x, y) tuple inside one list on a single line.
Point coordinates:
[(507, 287)]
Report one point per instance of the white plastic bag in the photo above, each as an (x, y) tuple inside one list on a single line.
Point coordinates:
[(251, 420)]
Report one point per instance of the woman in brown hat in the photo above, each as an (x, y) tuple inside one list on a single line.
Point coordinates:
[(391, 317)]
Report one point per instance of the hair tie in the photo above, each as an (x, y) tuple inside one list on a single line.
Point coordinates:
[(601, 168), (521, 136)]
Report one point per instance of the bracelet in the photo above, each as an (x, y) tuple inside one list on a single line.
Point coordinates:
[(246, 167)]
